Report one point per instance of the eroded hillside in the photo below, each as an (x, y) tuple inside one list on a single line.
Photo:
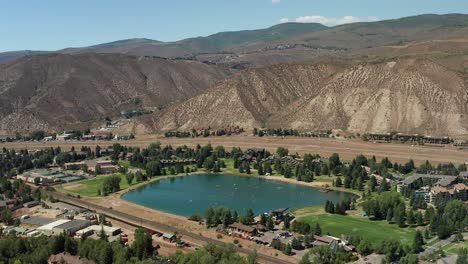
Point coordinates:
[(408, 95), (61, 91)]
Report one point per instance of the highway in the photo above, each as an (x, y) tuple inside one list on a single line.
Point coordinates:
[(137, 221)]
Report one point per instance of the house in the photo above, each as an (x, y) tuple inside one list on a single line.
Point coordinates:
[(407, 137), (63, 137), (15, 230), (418, 179), (436, 140), (31, 204), (94, 229), (123, 137), (279, 213), (380, 136), (456, 191), (169, 237), (101, 134), (241, 230), (3, 204)]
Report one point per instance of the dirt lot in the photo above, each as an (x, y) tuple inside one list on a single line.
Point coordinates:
[(347, 148)]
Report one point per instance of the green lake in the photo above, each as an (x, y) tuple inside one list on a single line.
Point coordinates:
[(195, 193)]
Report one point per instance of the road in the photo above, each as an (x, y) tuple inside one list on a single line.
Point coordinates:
[(136, 221)]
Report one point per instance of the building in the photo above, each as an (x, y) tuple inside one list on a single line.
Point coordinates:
[(456, 191), (436, 140), (418, 180), (169, 237), (95, 229), (15, 230), (106, 166), (63, 225), (279, 213), (123, 137), (333, 243), (63, 137), (241, 230), (31, 204), (380, 136), (101, 134)]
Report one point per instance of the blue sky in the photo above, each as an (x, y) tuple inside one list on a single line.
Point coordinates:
[(56, 24)]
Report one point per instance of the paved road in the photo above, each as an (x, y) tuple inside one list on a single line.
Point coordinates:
[(137, 221)]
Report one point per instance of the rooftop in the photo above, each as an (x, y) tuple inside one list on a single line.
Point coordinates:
[(53, 225), (243, 227)]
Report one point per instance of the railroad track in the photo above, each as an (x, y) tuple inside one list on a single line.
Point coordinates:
[(140, 222)]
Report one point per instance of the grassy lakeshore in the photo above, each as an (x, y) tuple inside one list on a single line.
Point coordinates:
[(353, 224)]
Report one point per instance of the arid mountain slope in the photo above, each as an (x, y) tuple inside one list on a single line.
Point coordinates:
[(58, 91), (408, 95)]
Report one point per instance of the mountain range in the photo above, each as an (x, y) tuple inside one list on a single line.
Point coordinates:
[(407, 74)]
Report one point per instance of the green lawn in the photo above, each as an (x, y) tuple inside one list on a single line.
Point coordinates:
[(454, 248), (375, 231), (90, 187)]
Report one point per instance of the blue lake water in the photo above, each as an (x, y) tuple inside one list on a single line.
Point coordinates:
[(195, 193)]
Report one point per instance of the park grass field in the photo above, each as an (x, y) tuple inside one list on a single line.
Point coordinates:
[(90, 187), (336, 225)]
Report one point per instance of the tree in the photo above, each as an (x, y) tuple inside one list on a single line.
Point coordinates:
[(287, 250), (248, 219), (129, 177), (282, 151), (270, 225), (143, 245), (409, 259), (37, 135), (317, 230), (338, 182), (323, 255), (263, 219), (296, 244), (252, 257), (365, 247), (372, 183), (105, 254), (287, 222), (418, 242)]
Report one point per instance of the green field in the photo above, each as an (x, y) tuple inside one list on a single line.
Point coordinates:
[(454, 248), (374, 231), (91, 187)]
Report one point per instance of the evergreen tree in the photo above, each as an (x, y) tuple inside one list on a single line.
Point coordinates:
[(270, 225), (418, 242), (287, 250), (317, 230)]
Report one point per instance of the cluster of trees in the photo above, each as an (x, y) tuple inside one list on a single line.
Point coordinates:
[(339, 207), (275, 132), (205, 132), (326, 255), (214, 254), (110, 184), (224, 216), (37, 250), (446, 218)]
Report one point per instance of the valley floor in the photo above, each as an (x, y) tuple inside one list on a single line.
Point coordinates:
[(347, 148)]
